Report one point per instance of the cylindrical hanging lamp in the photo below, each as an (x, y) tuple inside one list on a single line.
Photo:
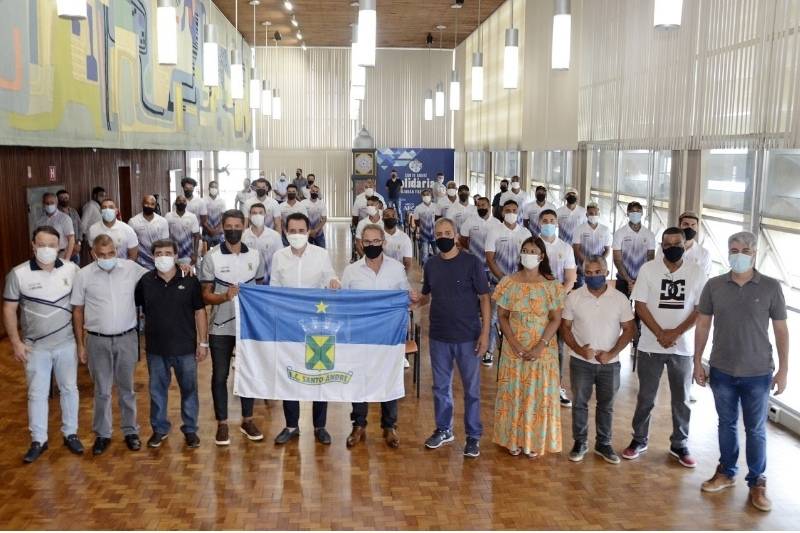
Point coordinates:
[(167, 32), (667, 14), (562, 35), (71, 9), (210, 56), (367, 31)]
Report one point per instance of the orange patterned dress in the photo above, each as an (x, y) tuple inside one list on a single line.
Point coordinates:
[(527, 412)]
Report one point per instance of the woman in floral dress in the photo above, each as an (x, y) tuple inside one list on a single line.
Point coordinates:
[(527, 413)]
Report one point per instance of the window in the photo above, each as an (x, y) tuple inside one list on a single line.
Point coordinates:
[(728, 179), (476, 161)]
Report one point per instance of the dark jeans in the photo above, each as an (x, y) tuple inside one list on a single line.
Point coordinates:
[(584, 376), (679, 372), (388, 414), (221, 353), (319, 240), (753, 394), (185, 367), (622, 286), (291, 411)]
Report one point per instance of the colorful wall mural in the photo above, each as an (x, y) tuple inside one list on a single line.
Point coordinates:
[(97, 82)]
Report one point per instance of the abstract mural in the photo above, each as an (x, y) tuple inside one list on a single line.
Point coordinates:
[(97, 82)]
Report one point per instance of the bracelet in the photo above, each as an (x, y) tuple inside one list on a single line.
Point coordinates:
[(204, 345)]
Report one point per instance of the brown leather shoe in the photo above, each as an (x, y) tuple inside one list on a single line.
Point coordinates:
[(391, 438), (758, 496), (358, 434), (719, 481)]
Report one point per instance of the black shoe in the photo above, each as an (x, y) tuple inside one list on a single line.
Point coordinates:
[(192, 440), (578, 451), (472, 448), (322, 436), (36, 449), (565, 401), (133, 442), (100, 445), (607, 453), (286, 435), (73, 444), (155, 440), (487, 359)]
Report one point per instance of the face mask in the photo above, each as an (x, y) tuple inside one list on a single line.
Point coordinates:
[(673, 254), (372, 210), (571, 199), (213, 191), (292, 195), (394, 177), (593, 219), (503, 188), (540, 196), (390, 223), (50, 209), (463, 196), (549, 230), (529, 261), (373, 251), (164, 263), (180, 208), (147, 210), (510, 218), (445, 244), (188, 192), (515, 186), (452, 193), (107, 264), (314, 195), (233, 236), (635, 217), (297, 240), (46, 255), (689, 233), (109, 214), (369, 191), (257, 220), (595, 282), (483, 212), (426, 200), (261, 193), (740, 263), (310, 183)]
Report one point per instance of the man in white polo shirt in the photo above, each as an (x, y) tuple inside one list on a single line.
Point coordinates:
[(590, 238), (215, 206), (259, 237), (317, 213), (531, 211), (359, 210), (41, 289), (272, 218), (375, 271), (194, 203), (460, 210), (125, 240), (149, 227), (397, 244), (61, 222), (184, 229), (570, 215), (374, 216), (597, 324), (666, 295), (422, 221)]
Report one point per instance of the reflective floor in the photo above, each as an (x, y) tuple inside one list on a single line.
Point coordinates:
[(305, 485)]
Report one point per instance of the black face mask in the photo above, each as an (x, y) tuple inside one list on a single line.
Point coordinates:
[(463, 196), (314, 195), (180, 208), (540, 196), (310, 183), (571, 199), (63, 203), (297, 174), (390, 223), (188, 192), (261, 192), (689, 233), (373, 251), (673, 254), (503, 188), (445, 244), (147, 210), (233, 236), (483, 212), (291, 195)]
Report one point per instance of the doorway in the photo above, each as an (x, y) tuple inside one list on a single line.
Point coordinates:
[(125, 193)]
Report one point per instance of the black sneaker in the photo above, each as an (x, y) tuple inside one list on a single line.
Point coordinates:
[(36, 450), (439, 438), (322, 435), (578, 451), (100, 445), (607, 453), (487, 359), (286, 435), (472, 448), (73, 444), (565, 402), (156, 440), (133, 442), (192, 440)]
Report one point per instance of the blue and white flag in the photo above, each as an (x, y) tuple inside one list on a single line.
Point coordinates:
[(313, 344)]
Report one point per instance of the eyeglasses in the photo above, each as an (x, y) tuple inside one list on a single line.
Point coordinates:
[(376, 242)]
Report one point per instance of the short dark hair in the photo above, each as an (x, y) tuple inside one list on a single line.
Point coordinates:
[(503, 180), (462, 188), (97, 190), (547, 212), (257, 204), (259, 180), (510, 202), (542, 187), (62, 191), (291, 186), (108, 200), (311, 174), (47, 195), (675, 231), (374, 199), (634, 205), (544, 264), (190, 181), (164, 243), (298, 216), (439, 174), (232, 213), (50, 230)]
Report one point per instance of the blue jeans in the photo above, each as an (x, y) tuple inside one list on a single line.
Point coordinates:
[(319, 240), (185, 367), (426, 249), (753, 393), (42, 362), (443, 355)]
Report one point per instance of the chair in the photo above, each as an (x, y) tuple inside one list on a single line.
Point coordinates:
[(413, 347)]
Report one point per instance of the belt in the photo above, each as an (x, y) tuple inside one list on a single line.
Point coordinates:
[(95, 334)]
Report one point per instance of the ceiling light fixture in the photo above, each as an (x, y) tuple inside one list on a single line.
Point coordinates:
[(439, 101), (511, 55), (294, 21), (277, 108), (367, 30), (299, 36), (477, 64), (167, 32), (428, 105), (237, 65), (71, 9), (562, 35), (255, 82), (210, 56), (667, 14), (288, 5), (455, 85), (266, 90)]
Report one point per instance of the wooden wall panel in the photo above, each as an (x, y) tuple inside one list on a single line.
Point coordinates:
[(78, 170)]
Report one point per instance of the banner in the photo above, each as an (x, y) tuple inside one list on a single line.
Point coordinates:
[(324, 345), (417, 167)]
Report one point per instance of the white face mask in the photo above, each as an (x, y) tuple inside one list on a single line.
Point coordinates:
[(510, 218), (164, 263), (109, 214), (50, 209), (529, 261), (369, 191), (426, 199), (213, 191), (515, 185), (452, 193), (593, 219), (297, 240), (46, 255), (257, 220), (372, 210)]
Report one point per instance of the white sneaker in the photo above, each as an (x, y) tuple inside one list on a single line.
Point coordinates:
[(406, 364)]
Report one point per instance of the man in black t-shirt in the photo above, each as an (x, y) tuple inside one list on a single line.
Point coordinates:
[(393, 186), (175, 318)]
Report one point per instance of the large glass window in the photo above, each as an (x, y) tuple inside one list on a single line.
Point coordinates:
[(553, 169), (728, 179), (476, 161)]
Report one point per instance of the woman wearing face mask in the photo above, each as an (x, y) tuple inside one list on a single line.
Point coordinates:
[(527, 410)]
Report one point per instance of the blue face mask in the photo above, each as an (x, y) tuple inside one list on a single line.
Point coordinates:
[(595, 282), (740, 263), (549, 230), (635, 217), (107, 264)]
